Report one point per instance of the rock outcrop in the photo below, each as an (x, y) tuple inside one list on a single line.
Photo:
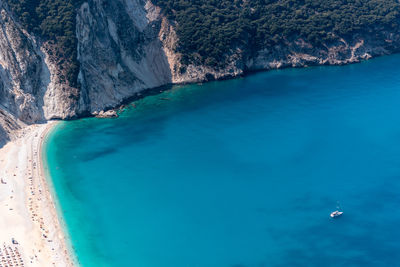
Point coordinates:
[(294, 53), (20, 72), (106, 114), (30, 91), (8, 127), (119, 52)]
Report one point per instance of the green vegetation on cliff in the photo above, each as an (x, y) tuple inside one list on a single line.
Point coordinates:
[(209, 29), (53, 21)]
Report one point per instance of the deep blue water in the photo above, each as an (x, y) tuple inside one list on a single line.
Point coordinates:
[(240, 173)]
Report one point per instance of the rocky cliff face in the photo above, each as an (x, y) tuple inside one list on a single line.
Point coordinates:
[(294, 53), (29, 89), (20, 72), (126, 46), (8, 127), (21, 94), (119, 51)]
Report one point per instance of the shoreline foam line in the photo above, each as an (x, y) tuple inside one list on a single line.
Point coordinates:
[(57, 211), (30, 228)]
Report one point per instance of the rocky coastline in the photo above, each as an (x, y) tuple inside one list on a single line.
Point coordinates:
[(127, 47)]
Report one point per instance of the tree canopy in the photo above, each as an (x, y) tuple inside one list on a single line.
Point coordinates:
[(54, 21), (208, 30)]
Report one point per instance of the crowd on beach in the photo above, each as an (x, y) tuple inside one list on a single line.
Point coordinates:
[(35, 191), (30, 214), (10, 256)]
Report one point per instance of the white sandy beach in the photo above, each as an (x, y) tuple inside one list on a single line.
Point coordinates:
[(27, 210)]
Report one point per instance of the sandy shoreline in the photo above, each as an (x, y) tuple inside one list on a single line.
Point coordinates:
[(28, 212)]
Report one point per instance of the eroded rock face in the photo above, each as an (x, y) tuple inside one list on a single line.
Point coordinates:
[(20, 72), (60, 101), (8, 127), (300, 53), (119, 52), (30, 88), (293, 53)]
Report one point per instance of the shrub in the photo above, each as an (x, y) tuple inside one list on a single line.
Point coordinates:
[(53, 21), (212, 28)]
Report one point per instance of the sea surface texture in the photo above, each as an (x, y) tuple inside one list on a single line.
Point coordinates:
[(239, 173)]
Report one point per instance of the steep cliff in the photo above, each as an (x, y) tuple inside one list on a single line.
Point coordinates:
[(295, 52), (20, 72), (220, 39), (126, 46), (119, 51), (8, 127), (30, 91), (20, 78)]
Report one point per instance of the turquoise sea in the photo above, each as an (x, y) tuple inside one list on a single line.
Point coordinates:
[(239, 173)]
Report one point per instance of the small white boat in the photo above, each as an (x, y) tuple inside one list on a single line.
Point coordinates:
[(336, 213)]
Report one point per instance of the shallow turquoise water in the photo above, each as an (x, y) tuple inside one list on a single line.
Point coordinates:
[(240, 173)]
